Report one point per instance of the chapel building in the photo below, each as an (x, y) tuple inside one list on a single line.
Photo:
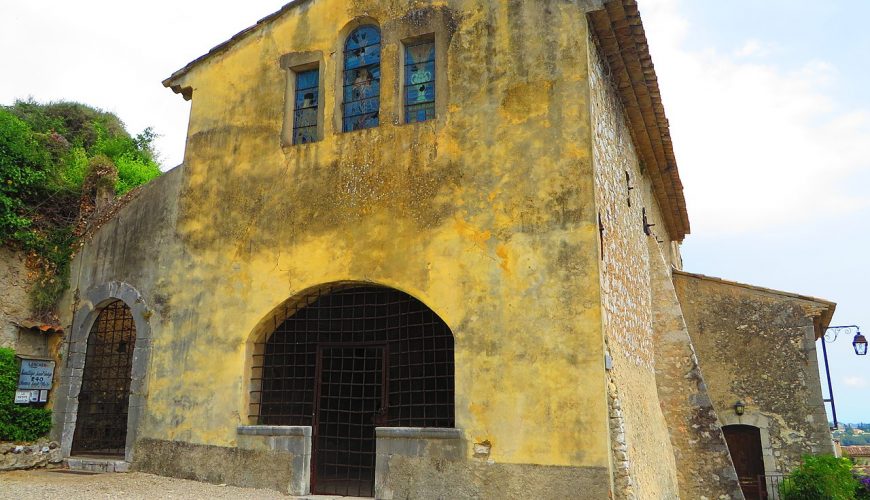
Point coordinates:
[(430, 249)]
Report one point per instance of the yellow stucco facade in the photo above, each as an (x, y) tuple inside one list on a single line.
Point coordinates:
[(470, 210)]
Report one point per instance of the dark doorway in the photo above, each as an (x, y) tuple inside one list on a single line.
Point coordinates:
[(345, 361), (101, 423), (350, 404), (744, 444)]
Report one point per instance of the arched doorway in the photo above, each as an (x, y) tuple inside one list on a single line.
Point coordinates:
[(348, 361), (744, 444), (103, 402)]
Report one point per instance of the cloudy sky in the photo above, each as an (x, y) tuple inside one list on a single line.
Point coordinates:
[(766, 99)]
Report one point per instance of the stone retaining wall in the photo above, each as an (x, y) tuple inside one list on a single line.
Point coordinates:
[(29, 456)]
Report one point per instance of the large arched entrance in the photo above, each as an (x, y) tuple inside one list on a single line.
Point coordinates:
[(348, 361), (103, 402)]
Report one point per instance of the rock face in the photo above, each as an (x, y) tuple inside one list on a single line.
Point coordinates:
[(29, 456), (15, 302)]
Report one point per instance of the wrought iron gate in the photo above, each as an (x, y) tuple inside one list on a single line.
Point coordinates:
[(347, 360), (101, 423), (350, 403)]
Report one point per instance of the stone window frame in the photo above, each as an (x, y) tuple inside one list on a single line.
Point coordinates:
[(428, 23), (66, 406), (293, 63)]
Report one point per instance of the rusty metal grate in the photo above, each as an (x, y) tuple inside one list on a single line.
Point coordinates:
[(101, 423), (350, 403), (322, 357)]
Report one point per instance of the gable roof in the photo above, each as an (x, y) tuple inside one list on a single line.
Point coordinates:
[(171, 81), (825, 307)]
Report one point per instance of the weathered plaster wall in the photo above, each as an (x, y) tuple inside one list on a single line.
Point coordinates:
[(642, 454), (758, 346), (484, 214)]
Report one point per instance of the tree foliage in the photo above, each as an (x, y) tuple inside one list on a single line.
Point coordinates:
[(47, 152), (822, 477)]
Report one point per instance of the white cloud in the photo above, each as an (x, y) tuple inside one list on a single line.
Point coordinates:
[(856, 382), (757, 145), (753, 48)]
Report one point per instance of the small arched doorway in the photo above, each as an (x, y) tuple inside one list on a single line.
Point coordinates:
[(744, 444), (347, 361), (104, 398)]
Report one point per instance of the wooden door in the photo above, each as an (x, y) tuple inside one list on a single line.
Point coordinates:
[(744, 443)]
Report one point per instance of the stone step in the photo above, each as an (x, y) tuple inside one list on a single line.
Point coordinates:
[(94, 464)]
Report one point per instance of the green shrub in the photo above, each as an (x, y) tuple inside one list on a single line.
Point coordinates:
[(21, 164), (46, 153), (18, 422), (134, 171), (821, 477)]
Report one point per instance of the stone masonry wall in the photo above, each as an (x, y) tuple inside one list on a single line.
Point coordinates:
[(758, 346), (642, 458), (704, 466)]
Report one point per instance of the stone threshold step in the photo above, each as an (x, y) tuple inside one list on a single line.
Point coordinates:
[(94, 464)]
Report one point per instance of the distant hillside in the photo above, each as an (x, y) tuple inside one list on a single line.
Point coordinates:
[(55, 159)]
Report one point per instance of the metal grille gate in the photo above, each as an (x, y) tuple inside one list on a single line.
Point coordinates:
[(347, 361), (350, 404), (101, 423)]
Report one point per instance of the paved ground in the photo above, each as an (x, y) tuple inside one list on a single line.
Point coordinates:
[(45, 484)]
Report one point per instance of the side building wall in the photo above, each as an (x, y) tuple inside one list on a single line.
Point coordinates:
[(759, 346), (666, 438), (643, 458)]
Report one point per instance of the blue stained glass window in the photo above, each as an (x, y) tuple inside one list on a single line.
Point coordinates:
[(419, 81), (305, 106), (362, 79)]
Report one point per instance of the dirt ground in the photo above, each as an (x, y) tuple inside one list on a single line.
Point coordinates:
[(49, 484)]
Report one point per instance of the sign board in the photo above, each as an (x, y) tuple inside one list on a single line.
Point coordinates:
[(22, 397), (36, 374)]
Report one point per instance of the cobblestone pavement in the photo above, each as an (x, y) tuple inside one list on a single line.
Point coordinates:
[(49, 484)]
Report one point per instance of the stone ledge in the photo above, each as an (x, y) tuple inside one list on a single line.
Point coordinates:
[(418, 433), (274, 430), (97, 464)]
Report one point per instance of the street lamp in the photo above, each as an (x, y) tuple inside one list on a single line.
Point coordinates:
[(859, 343)]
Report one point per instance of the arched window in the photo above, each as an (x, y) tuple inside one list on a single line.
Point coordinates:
[(362, 79), (346, 362)]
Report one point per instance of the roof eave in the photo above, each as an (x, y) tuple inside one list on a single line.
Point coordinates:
[(172, 81), (619, 32)]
